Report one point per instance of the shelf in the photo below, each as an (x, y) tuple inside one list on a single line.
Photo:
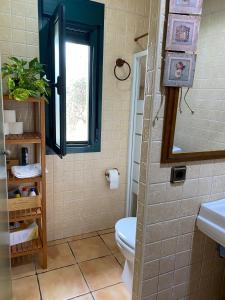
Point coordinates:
[(25, 215), (25, 138), (15, 181), (29, 208), (24, 203), (29, 100), (24, 208), (26, 248)]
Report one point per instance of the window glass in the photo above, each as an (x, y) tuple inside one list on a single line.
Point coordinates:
[(77, 92)]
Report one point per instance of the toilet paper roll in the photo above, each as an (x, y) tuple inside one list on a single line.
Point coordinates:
[(113, 178), (9, 116), (16, 128), (6, 128)]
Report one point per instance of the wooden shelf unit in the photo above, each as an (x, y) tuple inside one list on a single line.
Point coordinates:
[(13, 180), (30, 208), (25, 138), (28, 248)]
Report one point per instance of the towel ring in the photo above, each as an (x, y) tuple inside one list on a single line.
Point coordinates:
[(119, 64)]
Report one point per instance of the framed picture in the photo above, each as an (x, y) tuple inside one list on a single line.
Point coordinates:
[(182, 33), (179, 69), (192, 7)]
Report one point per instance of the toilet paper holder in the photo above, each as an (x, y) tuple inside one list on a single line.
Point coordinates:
[(107, 173)]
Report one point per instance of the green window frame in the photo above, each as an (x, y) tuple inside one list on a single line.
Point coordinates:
[(80, 21)]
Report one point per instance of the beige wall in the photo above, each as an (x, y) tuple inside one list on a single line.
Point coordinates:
[(78, 198), (205, 129), (174, 260)]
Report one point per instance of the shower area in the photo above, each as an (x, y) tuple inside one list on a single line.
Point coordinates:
[(136, 129)]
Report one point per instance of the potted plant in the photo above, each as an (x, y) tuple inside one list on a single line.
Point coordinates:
[(25, 79)]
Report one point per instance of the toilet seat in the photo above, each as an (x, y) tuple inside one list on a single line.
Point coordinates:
[(126, 232)]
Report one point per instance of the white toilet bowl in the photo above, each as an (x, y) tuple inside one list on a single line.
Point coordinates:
[(125, 234)]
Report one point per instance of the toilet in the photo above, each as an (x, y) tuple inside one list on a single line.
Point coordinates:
[(125, 235)]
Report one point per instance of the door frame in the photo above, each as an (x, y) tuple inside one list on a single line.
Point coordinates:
[(135, 85)]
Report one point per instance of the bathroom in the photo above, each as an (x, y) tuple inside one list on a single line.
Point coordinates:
[(173, 259)]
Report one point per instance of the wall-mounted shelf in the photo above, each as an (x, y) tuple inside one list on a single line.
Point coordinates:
[(30, 208)]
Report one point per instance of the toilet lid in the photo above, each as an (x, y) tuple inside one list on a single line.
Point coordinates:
[(126, 230)]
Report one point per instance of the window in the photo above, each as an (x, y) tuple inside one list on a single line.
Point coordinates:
[(77, 92), (75, 50)]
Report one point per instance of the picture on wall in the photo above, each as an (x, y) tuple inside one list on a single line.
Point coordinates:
[(192, 7), (179, 69), (182, 34)]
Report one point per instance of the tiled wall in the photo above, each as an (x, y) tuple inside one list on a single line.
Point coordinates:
[(78, 197), (18, 28), (174, 260), (205, 128)]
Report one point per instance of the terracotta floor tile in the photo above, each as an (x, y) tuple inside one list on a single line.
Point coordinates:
[(23, 267), (90, 248), (105, 231), (58, 256), (85, 297), (119, 256), (116, 292), (82, 236), (62, 283), (109, 239), (57, 242), (101, 272), (26, 289), (72, 238)]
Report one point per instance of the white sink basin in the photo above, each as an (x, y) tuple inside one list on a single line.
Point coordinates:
[(211, 220)]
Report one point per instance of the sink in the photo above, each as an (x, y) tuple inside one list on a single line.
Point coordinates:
[(211, 220)]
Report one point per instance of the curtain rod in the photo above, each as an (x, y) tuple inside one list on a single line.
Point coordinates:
[(140, 37)]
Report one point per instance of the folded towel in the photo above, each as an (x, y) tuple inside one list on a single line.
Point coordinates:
[(26, 171)]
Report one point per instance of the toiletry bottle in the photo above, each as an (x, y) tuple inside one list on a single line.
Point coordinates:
[(32, 192), (25, 156), (24, 192)]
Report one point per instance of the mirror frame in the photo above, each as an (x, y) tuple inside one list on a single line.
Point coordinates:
[(170, 116)]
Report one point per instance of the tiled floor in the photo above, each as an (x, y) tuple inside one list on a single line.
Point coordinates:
[(86, 267)]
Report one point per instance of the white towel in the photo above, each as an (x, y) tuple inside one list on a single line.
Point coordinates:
[(26, 171)]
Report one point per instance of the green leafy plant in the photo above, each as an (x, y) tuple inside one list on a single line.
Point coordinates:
[(25, 79)]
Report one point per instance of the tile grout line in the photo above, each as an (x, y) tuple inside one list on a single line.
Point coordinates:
[(39, 286), (80, 268), (93, 297), (112, 253), (108, 286), (57, 268), (76, 297), (66, 240), (70, 241)]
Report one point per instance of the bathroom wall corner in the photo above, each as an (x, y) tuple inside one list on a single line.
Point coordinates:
[(174, 260)]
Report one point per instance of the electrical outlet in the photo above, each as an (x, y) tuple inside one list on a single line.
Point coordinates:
[(178, 174)]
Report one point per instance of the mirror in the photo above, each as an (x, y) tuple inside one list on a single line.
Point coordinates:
[(195, 117)]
